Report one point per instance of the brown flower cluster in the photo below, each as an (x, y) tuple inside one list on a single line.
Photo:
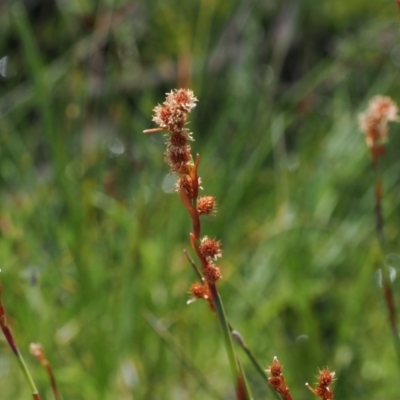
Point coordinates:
[(277, 380), (210, 248), (172, 117), (374, 123), (322, 389), (278, 383)]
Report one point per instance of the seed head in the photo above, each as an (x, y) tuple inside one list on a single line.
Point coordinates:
[(200, 291), (277, 380), (183, 99), (212, 274), (322, 389), (210, 248), (169, 118), (178, 139), (206, 205), (275, 369), (326, 377), (178, 158), (384, 107), (172, 115), (374, 121), (186, 182)]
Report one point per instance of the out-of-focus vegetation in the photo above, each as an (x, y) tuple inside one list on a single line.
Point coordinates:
[(91, 245)]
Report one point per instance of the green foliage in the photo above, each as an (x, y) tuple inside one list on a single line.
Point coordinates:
[(91, 246)]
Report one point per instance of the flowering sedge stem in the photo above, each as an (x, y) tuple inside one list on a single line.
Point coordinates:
[(374, 123), (172, 116)]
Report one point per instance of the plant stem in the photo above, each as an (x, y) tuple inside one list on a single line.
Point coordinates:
[(240, 341), (242, 389), (386, 280), (27, 375)]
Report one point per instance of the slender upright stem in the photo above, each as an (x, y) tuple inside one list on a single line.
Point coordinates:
[(27, 375), (242, 389), (219, 308), (259, 368), (386, 280)]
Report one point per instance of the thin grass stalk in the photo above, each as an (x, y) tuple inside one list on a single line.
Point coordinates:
[(237, 373), (10, 340)]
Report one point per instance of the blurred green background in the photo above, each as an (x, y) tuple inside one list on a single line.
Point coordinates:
[(91, 241)]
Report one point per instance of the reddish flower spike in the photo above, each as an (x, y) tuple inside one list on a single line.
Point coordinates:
[(322, 389), (277, 380)]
